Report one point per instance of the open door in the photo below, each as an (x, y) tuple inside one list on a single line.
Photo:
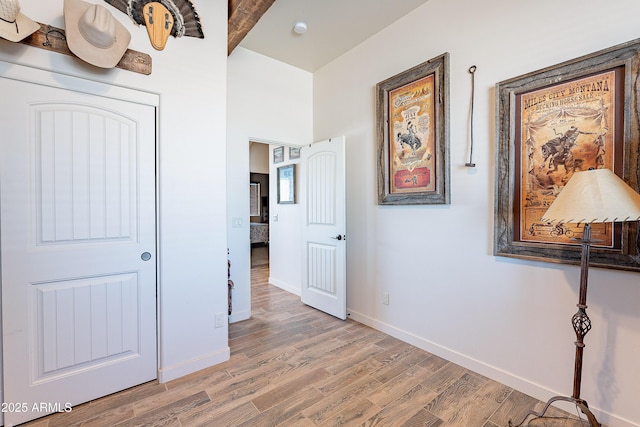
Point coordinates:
[(324, 283)]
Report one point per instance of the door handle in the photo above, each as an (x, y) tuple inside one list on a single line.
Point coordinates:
[(340, 237), (146, 256)]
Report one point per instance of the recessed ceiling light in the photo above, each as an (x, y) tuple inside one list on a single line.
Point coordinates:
[(300, 27)]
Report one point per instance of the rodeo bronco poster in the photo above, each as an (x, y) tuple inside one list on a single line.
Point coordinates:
[(564, 128), (412, 137)]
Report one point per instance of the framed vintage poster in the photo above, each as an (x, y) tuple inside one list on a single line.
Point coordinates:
[(412, 110), (574, 116), (287, 184)]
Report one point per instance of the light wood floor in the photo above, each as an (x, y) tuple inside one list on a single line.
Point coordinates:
[(294, 366)]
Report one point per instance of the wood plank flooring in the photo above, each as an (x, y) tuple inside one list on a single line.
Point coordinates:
[(294, 366)]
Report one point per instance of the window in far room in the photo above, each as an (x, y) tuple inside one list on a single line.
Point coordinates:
[(254, 199)]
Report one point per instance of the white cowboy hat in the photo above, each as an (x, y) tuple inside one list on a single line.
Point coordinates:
[(93, 34), (14, 26)]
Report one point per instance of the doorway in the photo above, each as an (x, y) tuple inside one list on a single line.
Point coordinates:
[(259, 203)]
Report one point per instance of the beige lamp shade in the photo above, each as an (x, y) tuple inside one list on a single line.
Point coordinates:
[(596, 195)]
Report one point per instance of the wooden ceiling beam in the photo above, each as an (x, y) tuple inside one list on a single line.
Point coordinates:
[(243, 15)]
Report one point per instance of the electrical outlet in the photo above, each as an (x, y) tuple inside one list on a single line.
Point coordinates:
[(385, 298), (219, 320)]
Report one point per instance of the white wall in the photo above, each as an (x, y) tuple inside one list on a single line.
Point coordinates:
[(259, 158), (268, 101), (508, 319), (190, 78), (285, 227)]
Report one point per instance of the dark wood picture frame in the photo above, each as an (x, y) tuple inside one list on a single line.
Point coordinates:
[(412, 115), (287, 184), (572, 116)]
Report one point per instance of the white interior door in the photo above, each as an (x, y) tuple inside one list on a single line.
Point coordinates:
[(324, 283), (77, 247)]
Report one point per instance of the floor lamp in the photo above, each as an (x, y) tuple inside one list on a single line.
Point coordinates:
[(593, 196)]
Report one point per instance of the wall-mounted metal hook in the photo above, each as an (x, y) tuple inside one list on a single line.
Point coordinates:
[(50, 29), (472, 71)]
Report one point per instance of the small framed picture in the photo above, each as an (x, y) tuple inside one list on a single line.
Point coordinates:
[(294, 153), (287, 184), (278, 155)]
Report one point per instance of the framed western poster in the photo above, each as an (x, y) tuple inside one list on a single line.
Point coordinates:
[(578, 115), (412, 113)]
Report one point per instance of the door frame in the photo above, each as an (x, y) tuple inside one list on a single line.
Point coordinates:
[(240, 244), (12, 71), (241, 258)]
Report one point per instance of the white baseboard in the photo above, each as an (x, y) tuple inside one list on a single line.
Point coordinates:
[(521, 384), (193, 365), (285, 286), (238, 316)]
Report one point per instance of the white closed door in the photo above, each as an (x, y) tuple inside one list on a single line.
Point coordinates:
[(77, 247), (324, 276)]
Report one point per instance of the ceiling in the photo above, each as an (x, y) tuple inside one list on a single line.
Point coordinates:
[(334, 27)]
